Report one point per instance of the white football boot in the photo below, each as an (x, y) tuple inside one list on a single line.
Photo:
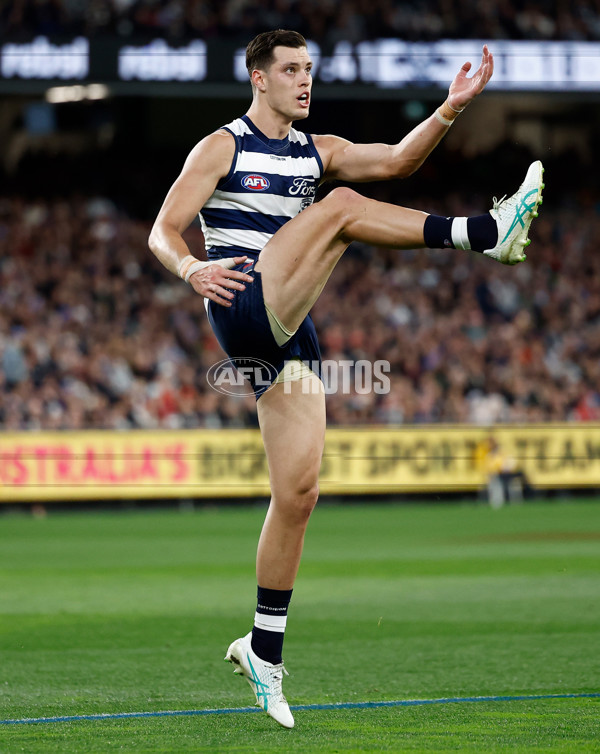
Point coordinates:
[(513, 217), (264, 678)]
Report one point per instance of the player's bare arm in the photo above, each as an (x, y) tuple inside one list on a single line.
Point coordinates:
[(346, 161), (206, 164)]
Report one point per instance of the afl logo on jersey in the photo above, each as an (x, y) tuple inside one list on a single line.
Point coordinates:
[(255, 182)]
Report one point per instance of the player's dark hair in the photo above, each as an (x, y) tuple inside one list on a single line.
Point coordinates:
[(259, 53)]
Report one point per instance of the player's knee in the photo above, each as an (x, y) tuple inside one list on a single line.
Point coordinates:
[(297, 505), (342, 199), (344, 204), (308, 499)]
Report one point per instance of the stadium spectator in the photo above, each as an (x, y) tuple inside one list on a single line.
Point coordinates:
[(83, 342), (324, 22)]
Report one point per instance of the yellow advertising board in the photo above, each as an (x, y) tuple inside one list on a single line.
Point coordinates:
[(63, 466)]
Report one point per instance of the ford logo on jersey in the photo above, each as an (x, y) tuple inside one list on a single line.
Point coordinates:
[(255, 182)]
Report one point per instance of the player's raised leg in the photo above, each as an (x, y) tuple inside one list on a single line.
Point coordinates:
[(292, 422), (299, 258)]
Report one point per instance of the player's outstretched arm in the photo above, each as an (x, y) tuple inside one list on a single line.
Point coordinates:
[(374, 162), (206, 164)]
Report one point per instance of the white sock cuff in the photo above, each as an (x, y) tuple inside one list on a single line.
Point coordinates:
[(460, 237), (270, 622)]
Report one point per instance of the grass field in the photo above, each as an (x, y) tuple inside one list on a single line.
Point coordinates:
[(132, 612)]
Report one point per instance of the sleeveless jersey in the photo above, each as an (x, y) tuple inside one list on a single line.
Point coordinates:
[(269, 182)]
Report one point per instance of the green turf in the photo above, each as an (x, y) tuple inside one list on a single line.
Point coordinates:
[(127, 612)]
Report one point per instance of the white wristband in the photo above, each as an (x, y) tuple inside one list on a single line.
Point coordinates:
[(194, 268), (454, 110), (187, 266), (440, 118), (446, 114)]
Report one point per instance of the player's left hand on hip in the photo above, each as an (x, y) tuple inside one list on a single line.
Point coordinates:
[(217, 280)]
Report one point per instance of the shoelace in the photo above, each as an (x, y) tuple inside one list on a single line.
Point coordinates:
[(280, 672), (498, 202), (278, 676)]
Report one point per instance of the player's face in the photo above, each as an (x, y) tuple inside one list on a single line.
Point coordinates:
[(288, 82)]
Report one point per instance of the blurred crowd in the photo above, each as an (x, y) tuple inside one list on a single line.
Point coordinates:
[(324, 21), (94, 333)]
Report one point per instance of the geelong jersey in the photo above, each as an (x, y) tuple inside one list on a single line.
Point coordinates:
[(270, 181)]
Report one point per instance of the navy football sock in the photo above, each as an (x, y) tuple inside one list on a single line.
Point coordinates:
[(437, 232), (269, 623), (483, 232), (476, 233)]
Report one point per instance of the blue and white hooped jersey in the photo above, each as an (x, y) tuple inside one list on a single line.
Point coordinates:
[(269, 183)]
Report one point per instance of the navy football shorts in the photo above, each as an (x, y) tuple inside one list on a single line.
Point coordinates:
[(244, 333)]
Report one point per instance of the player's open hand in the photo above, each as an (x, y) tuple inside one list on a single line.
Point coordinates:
[(217, 280), (463, 89)]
